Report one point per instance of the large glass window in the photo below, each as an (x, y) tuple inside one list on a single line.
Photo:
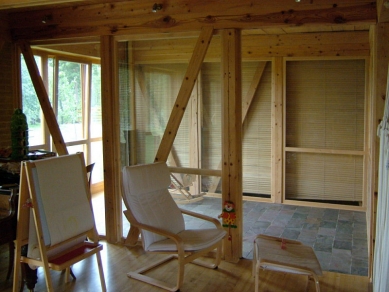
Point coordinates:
[(31, 106), (70, 100), (74, 91)]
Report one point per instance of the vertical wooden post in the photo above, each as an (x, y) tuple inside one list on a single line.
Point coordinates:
[(232, 138), (111, 138), (276, 131), (379, 35), (43, 99), (131, 63)]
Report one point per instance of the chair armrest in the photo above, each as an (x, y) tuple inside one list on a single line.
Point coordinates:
[(204, 217)]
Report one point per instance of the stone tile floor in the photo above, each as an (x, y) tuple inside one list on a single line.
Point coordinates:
[(338, 237)]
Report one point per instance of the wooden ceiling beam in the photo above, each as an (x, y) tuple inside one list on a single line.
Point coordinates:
[(383, 10), (136, 17), (12, 4)]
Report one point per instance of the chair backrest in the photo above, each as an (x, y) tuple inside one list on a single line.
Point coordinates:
[(89, 169), (146, 195)]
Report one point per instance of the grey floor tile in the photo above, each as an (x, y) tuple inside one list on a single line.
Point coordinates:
[(344, 227), (274, 230), (342, 244), (344, 236), (328, 224), (307, 234), (341, 261), (303, 209), (298, 215), (359, 227), (295, 223), (324, 259), (359, 243), (331, 214), (289, 207), (359, 267), (327, 231), (280, 222), (324, 243), (346, 215), (360, 253), (360, 217), (291, 233), (311, 226)]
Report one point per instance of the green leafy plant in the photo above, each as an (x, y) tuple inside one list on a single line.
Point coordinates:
[(19, 135)]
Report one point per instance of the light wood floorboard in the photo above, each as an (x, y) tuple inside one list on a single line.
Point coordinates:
[(118, 260)]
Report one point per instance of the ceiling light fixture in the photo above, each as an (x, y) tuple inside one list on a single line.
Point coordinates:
[(156, 7)]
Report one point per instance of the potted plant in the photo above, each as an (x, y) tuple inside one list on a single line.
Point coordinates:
[(19, 135)]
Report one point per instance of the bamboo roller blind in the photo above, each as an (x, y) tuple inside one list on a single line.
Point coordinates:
[(324, 110), (257, 133), (211, 119)]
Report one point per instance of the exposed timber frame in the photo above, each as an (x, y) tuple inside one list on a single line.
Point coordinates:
[(43, 98), (232, 138), (111, 139)]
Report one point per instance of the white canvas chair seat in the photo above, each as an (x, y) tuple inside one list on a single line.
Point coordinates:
[(193, 240), (151, 208)]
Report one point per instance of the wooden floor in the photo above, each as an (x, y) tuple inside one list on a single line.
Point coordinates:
[(118, 260)]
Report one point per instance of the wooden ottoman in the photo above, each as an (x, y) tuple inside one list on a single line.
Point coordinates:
[(284, 255)]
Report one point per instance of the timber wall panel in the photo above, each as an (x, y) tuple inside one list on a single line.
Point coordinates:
[(6, 94), (254, 47)]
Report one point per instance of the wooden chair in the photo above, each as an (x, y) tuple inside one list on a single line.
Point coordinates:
[(8, 222), (89, 169), (151, 208), (284, 255)]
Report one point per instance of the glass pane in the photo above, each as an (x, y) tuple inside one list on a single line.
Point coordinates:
[(76, 148), (70, 101), (31, 106), (97, 158), (95, 103)]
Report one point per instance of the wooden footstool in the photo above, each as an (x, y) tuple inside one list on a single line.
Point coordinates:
[(284, 255)]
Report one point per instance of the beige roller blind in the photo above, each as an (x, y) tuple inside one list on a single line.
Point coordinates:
[(325, 112), (256, 127), (257, 132), (211, 121)]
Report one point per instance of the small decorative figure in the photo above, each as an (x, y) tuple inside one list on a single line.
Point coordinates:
[(228, 215)]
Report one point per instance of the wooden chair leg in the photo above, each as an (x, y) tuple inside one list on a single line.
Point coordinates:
[(101, 272), (69, 272)]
